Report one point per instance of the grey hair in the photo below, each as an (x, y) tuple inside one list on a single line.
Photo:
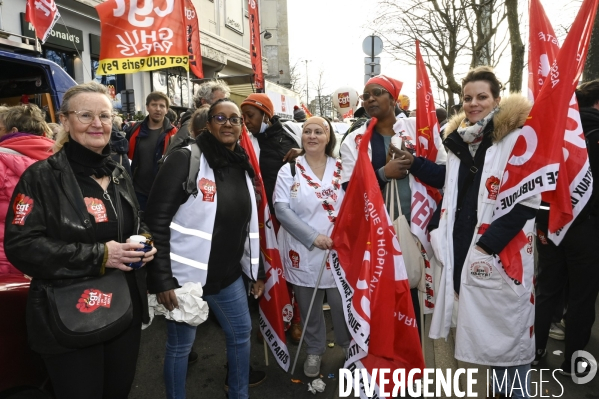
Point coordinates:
[(90, 87), (207, 89)]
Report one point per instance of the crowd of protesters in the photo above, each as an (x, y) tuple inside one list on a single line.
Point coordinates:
[(102, 180)]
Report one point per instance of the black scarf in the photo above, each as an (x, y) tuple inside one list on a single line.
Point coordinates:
[(86, 162), (220, 157)]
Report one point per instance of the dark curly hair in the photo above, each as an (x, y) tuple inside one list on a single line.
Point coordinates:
[(484, 73)]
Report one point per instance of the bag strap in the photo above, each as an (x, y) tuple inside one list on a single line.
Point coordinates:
[(189, 185), (391, 196), (292, 167)]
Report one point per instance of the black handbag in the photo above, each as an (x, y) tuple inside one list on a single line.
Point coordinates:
[(90, 311)]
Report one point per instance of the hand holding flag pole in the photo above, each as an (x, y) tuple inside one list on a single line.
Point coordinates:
[(299, 346)]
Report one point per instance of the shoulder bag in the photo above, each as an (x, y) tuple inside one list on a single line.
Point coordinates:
[(410, 247)]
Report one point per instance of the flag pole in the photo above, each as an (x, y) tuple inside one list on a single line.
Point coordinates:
[(265, 354), (421, 304), (189, 106), (299, 346)]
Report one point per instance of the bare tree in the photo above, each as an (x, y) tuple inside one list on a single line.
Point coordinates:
[(517, 48), (295, 76), (454, 35), (320, 88)]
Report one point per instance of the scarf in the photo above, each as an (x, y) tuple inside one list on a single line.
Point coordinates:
[(472, 134), (220, 157), (86, 162)]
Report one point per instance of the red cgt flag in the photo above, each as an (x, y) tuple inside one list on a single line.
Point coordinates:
[(275, 305), (143, 38), (574, 169), (42, 15), (535, 161), (425, 199), (255, 47), (542, 48), (371, 276), (192, 30)]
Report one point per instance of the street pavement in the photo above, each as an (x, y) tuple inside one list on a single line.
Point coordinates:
[(205, 378)]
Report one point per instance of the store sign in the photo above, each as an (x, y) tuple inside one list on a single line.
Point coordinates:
[(63, 36)]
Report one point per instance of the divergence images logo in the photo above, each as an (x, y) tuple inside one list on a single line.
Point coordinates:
[(581, 362)]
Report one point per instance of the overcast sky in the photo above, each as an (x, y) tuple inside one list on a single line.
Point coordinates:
[(329, 33)]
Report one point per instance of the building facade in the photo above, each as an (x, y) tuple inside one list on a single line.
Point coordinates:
[(74, 44)]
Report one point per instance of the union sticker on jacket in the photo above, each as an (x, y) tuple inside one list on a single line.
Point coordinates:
[(22, 207), (208, 189), (96, 208)]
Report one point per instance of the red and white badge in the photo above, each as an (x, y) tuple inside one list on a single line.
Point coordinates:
[(358, 140), (295, 258), (95, 207), (22, 207), (208, 189), (93, 299), (492, 185), (294, 189)]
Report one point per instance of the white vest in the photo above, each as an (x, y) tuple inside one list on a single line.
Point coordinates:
[(302, 265), (192, 227), (496, 315)]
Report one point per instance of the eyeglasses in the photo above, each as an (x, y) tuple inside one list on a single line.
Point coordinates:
[(221, 120), (87, 117), (377, 92)]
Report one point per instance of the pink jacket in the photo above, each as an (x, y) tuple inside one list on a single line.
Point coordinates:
[(30, 148)]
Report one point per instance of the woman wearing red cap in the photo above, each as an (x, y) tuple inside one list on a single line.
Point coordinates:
[(379, 99)]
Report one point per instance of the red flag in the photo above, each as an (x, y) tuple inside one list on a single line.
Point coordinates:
[(275, 305), (371, 276), (535, 161), (542, 48), (306, 110), (425, 199), (574, 168), (42, 15), (348, 114), (193, 40), (144, 38), (255, 48)]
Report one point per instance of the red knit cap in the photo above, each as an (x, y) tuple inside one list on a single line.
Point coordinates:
[(393, 86), (260, 101)]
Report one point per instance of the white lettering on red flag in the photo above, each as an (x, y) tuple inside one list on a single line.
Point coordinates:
[(192, 37), (275, 306), (255, 47), (143, 38), (42, 14), (536, 164), (370, 273), (425, 199)]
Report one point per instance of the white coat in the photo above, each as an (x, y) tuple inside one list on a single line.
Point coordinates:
[(301, 264), (495, 315)]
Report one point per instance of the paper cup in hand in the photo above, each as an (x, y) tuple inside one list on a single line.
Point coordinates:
[(147, 247), (396, 141)]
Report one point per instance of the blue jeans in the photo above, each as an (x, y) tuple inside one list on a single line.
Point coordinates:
[(521, 385), (230, 307)]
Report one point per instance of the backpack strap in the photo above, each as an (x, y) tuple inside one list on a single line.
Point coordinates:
[(190, 186), (292, 166)]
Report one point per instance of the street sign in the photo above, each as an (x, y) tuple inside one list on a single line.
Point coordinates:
[(372, 45), (372, 60), (373, 69)]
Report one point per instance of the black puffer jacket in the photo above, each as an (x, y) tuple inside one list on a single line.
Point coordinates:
[(590, 125), (56, 242), (274, 143)]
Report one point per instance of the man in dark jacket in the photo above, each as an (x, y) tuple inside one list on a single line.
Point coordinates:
[(119, 147), (148, 141)]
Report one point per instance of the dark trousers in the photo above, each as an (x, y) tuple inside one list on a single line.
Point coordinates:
[(103, 371), (574, 262)]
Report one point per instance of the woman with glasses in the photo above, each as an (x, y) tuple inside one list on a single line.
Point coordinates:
[(69, 220), (379, 100), (307, 201), (209, 239)]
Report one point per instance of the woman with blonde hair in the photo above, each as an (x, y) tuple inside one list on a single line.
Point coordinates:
[(67, 227)]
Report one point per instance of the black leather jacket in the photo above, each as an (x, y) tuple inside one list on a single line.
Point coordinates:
[(56, 241)]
